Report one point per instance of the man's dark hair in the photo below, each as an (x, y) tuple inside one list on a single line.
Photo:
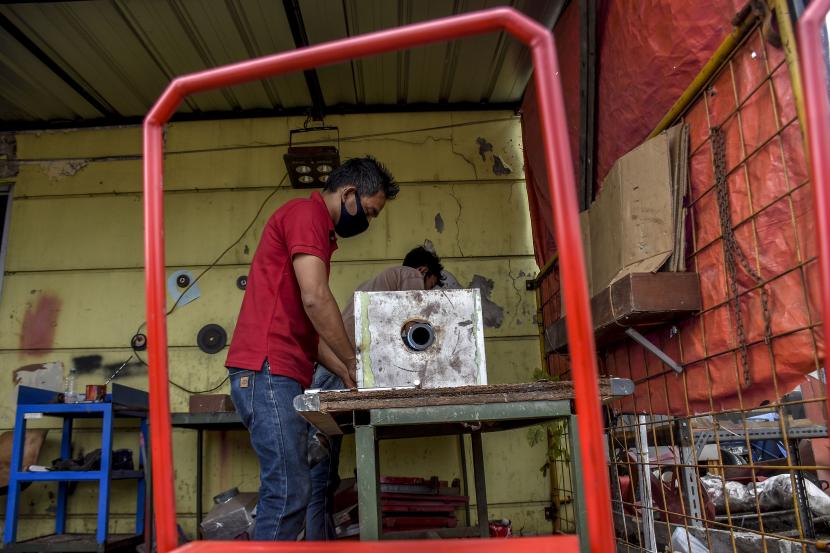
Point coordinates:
[(366, 174), (422, 257)]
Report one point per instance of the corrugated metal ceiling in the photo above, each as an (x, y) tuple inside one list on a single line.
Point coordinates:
[(108, 61)]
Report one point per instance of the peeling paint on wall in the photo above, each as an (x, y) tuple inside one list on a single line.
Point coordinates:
[(95, 362), (63, 169), (439, 222), (492, 312), (9, 166), (483, 147), (499, 168), (37, 332)]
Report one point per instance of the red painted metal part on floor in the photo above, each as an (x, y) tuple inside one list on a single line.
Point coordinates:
[(557, 544), (561, 181)]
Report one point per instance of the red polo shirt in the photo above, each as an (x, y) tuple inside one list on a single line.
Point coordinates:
[(272, 322)]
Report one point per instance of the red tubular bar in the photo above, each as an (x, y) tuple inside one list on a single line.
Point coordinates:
[(817, 107), (559, 544), (566, 227)]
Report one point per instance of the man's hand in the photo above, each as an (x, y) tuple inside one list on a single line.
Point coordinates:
[(328, 359), (322, 310), (351, 372)]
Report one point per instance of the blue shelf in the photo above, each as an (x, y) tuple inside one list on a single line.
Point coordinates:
[(77, 475), (123, 403)]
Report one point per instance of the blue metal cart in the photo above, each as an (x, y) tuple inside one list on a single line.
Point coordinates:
[(32, 403)]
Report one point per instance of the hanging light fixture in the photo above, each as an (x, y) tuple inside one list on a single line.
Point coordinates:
[(310, 166)]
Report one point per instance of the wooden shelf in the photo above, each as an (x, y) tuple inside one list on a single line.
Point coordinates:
[(640, 300)]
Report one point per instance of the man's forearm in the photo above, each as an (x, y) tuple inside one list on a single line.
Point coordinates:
[(325, 317)]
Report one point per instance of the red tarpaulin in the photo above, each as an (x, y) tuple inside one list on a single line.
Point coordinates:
[(751, 99)]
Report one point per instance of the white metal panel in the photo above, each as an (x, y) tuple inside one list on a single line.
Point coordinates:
[(455, 357)]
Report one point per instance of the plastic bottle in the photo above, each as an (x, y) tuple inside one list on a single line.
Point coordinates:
[(69, 387)]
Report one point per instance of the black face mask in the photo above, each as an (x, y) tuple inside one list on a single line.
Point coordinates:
[(351, 225)]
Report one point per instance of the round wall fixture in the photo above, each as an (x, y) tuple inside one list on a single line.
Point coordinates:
[(417, 335), (242, 282), (139, 342), (182, 281), (211, 338)]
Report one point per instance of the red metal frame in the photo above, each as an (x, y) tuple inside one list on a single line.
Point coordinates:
[(562, 187), (817, 107), (558, 544)]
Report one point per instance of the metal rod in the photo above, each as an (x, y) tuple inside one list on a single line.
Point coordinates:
[(788, 43), (645, 486), (200, 440), (481, 485), (813, 72), (650, 346), (465, 478)]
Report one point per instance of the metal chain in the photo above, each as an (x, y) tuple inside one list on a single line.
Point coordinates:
[(733, 252)]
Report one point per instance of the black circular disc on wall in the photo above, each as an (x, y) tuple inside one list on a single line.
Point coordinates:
[(211, 338), (139, 342), (242, 282), (182, 281)]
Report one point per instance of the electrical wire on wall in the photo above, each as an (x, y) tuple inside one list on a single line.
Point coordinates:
[(213, 264), (261, 145)]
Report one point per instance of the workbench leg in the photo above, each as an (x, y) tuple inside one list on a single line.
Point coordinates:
[(200, 439), (104, 482), (465, 480), (66, 453), (481, 485), (580, 514), (368, 483), (16, 465)]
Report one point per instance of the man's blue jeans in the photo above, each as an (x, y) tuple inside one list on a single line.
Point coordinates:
[(279, 436), (325, 477)]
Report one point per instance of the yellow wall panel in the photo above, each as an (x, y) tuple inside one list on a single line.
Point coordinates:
[(71, 143), (74, 177), (100, 232), (103, 309), (422, 147), (75, 262)]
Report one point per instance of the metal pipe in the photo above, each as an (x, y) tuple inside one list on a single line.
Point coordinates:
[(561, 185), (652, 347), (417, 335), (544, 271), (644, 471), (788, 43), (817, 107)]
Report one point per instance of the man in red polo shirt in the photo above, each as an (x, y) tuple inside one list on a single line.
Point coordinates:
[(288, 307)]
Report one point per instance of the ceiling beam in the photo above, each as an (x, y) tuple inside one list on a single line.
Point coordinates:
[(43, 57), (341, 109), (312, 81)]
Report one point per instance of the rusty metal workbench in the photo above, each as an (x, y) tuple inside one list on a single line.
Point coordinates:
[(375, 415)]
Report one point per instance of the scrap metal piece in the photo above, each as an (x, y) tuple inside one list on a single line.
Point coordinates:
[(426, 339)]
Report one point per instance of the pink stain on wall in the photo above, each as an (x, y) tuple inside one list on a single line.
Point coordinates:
[(37, 333)]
